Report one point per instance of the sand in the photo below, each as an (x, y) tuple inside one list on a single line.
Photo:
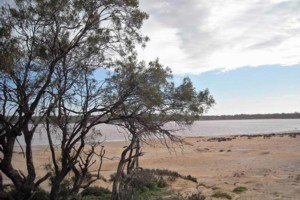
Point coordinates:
[(269, 167)]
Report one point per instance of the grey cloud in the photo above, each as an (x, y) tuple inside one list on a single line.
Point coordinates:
[(241, 27), (268, 43), (189, 19), (275, 23)]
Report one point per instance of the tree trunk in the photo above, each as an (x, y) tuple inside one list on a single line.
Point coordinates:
[(2, 193), (118, 186), (6, 166), (54, 190), (29, 160)]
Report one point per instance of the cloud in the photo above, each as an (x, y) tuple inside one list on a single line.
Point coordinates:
[(198, 35)]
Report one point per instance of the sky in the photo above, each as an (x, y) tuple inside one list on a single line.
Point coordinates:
[(246, 52)]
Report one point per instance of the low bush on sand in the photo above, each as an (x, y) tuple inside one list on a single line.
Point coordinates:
[(239, 189)]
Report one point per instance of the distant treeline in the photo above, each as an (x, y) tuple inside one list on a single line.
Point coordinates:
[(295, 115)]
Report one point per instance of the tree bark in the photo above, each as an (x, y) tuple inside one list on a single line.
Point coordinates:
[(54, 194)]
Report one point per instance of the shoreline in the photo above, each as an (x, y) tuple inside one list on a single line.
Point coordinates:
[(266, 164), (214, 137), (249, 136)]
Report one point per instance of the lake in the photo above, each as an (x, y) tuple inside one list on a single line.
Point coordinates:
[(199, 128)]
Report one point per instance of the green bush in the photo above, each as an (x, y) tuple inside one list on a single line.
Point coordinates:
[(38, 195), (221, 195), (239, 189), (93, 198), (165, 172), (146, 185), (180, 196), (146, 179), (95, 191), (196, 197), (161, 183), (113, 176), (191, 178), (41, 195)]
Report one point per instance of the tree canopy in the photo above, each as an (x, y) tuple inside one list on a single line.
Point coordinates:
[(49, 51)]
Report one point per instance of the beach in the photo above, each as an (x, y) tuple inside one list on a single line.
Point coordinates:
[(267, 165)]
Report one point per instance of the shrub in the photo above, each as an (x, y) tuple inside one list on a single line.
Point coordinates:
[(93, 198), (191, 178), (171, 175), (95, 191), (165, 172), (38, 195), (41, 195), (221, 195), (198, 196), (239, 189), (65, 186), (113, 177), (180, 196), (146, 179), (161, 183)]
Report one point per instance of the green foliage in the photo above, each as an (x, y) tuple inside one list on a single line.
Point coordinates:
[(191, 178), (149, 184), (95, 191), (196, 197), (37, 195), (179, 196), (221, 195), (105, 197), (146, 180), (41, 195), (142, 185), (165, 172), (49, 50), (64, 189), (240, 189), (113, 176), (149, 90), (15, 194), (47, 65)]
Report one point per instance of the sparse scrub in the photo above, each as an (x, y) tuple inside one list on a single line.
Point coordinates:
[(38, 195), (239, 189), (146, 179), (198, 196), (171, 175), (93, 198), (221, 195), (179, 196), (191, 178), (95, 191), (165, 172), (41, 195), (148, 184), (113, 177), (203, 185)]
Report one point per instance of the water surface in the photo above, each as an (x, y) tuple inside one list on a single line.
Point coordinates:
[(199, 128)]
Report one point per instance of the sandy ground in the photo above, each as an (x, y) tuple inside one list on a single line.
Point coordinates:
[(269, 167)]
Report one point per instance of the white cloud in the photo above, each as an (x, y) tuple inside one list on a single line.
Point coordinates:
[(193, 36), (272, 104)]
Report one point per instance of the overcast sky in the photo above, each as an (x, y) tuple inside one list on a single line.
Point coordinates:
[(200, 35), (232, 45), (247, 52)]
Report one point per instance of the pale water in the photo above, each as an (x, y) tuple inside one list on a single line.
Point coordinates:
[(199, 128)]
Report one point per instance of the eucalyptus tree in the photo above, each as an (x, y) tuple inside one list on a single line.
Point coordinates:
[(50, 50), (150, 99), (41, 40)]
